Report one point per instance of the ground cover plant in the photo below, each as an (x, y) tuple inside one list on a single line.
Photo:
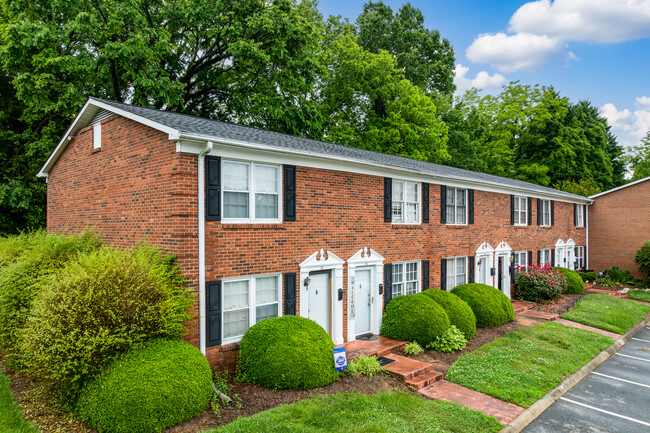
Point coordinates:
[(525, 364), (459, 312), (383, 412), (413, 348), (365, 365), (414, 317), (490, 306), (11, 419), (540, 283), (287, 352), (619, 275), (574, 282), (451, 341), (607, 312), (639, 295)]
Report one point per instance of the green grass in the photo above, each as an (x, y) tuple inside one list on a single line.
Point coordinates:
[(639, 295), (349, 412), (11, 420), (607, 312), (525, 364)]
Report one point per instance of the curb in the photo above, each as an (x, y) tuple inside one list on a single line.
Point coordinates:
[(529, 415)]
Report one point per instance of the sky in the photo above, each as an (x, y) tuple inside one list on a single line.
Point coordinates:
[(595, 50)]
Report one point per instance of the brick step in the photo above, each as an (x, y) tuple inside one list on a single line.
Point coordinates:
[(521, 306), (382, 346), (423, 380), (540, 315), (405, 368)]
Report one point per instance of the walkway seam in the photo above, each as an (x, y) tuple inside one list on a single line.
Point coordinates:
[(536, 409)]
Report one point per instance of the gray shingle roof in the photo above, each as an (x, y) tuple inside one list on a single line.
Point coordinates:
[(212, 128)]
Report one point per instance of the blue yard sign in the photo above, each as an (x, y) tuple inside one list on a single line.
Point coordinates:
[(340, 361)]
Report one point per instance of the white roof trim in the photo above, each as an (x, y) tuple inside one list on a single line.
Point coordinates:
[(503, 247), (559, 243), (318, 261), (484, 248), (619, 187), (366, 256)]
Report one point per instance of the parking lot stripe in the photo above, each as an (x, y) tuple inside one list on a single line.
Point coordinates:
[(640, 339), (606, 411), (633, 357), (618, 378)]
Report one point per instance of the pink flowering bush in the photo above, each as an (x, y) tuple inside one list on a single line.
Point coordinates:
[(539, 283)]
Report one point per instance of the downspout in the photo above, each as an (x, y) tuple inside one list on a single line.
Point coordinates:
[(201, 169)]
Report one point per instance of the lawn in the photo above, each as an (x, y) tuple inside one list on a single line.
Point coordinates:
[(385, 412), (11, 420), (639, 295), (607, 312), (525, 364)]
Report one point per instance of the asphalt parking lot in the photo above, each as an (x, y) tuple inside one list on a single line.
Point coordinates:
[(614, 398)]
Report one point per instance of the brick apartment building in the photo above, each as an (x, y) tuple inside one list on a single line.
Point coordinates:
[(266, 224), (619, 224)]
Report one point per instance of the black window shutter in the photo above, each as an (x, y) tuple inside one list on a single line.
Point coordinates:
[(388, 283), (575, 214), (512, 272), (552, 257), (552, 212), (213, 313), (289, 193), (584, 260), (290, 294), (388, 199), (539, 257), (471, 269), (470, 203), (443, 274), (530, 211), (539, 212), (213, 188), (443, 204), (530, 257), (425, 275), (512, 210), (425, 202)]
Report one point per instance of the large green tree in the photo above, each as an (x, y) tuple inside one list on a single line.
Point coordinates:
[(638, 158)]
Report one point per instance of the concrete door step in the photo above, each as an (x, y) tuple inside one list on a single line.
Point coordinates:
[(503, 411), (540, 315), (405, 368), (589, 328), (423, 380)]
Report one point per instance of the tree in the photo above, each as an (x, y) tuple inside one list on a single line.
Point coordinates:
[(427, 59), (638, 159), (584, 187)]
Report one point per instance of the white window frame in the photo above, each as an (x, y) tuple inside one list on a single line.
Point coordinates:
[(519, 212), (252, 305), (404, 202), (251, 194), (456, 189), (517, 259), (97, 136), (545, 258), (405, 281), (546, 213), (455, 275), (579, 257), (581, 216)]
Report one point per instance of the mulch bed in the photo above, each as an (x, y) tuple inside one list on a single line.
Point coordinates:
[(561, 305)]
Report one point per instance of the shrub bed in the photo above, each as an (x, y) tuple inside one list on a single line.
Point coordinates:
[(490, 306), (540, 283), (642, 258), (575, 283), (156, 385), (414, 317), (588, 277), (460, 314), (287, 352)]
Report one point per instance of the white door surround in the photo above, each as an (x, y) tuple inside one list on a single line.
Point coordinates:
[(365, 259), (320, 291), (503, 255), (483, 264), (363, 301), (560, 254), (570, 254), (324, 261)]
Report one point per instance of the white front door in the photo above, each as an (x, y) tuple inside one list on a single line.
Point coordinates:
[(319, 299), (362, 301), (483, 271), (559, 257)]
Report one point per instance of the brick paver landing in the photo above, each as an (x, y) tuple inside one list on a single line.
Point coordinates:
[(521, 306), (382, 346), (540, 315), (589, 328), (503, 411)]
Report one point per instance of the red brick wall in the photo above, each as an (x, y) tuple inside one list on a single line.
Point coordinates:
[(138, 186), (619, 224)]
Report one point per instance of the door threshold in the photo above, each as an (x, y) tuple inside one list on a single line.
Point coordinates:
[(367, 337)]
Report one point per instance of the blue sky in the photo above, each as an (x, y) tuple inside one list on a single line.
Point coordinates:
[(597, 50)]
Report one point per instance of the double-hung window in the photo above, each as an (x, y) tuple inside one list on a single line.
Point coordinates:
[(521, 211), (251, 192), (545, 257), (406, 202), (520, 259), (580, 215), (456, 271), (456, 205), (406, 278), (247, 301), (580, 258), (545, 212)]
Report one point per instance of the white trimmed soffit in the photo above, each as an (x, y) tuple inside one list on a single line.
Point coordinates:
[(485, 248), (559, 244), (366, 257), (318, 262), (570, 243), (503, 248)]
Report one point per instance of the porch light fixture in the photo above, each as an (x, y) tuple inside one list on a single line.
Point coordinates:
[(307, 281)]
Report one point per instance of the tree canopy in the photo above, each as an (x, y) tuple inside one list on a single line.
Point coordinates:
[(638, 158)]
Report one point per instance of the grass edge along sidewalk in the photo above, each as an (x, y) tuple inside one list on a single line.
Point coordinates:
[(535, 410), (11, 418), (607, 312)]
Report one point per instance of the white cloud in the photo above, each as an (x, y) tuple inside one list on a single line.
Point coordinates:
[(643, 101), (585, 20), (515, 52), (482, 81), (629, 126)]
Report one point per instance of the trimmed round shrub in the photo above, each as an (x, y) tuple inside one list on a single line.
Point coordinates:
[(287, 352), (642, 258), (460, 314), (414, 317), (588, 277), (575, 284), (490, 306), (98, 307), (155, 385)]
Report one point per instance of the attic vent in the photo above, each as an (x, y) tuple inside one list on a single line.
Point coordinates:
[(101, 115)]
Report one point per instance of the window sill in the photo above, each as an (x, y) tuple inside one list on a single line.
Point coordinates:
[(229, 347), (96, 150), (456, 226), (403, 226), (249, 226)]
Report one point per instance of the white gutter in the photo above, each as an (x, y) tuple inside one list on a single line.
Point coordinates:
[(201, 161)]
